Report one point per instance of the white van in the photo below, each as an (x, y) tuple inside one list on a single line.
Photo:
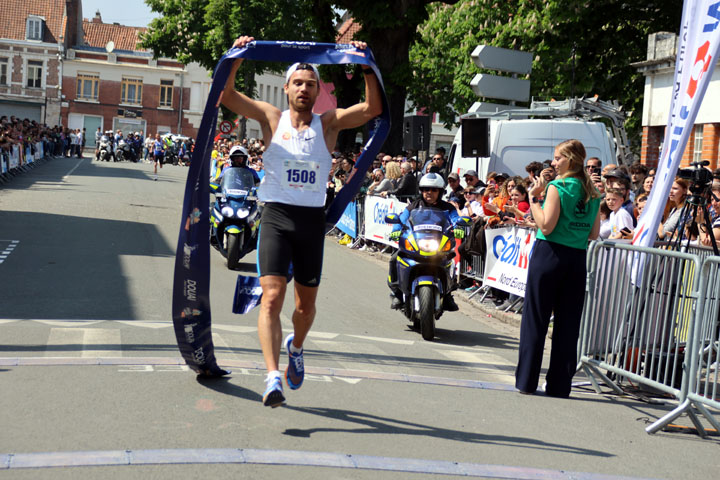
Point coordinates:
[(515, 142)]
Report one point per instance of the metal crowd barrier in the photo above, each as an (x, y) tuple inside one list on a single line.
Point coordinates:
[(704, 358), (644, 323)]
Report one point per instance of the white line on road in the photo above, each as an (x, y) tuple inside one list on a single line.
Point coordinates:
[(64, 337), (396, 341), (72, 170), (94, 339)]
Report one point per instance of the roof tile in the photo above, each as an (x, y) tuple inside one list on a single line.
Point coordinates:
[(14, 14), (99, 34)]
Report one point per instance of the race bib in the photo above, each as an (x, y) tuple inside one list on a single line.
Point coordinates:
[(302, 174)]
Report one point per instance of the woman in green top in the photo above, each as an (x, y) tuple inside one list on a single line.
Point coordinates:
[(556, 273)]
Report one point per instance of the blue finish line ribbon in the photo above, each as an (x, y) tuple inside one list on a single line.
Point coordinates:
[(191, 288)]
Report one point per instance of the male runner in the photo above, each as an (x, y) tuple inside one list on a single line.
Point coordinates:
[(297, 163)]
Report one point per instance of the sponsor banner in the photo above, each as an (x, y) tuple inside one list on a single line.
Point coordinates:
[(28, 155), (39, 151), (508, 256), (348, 220), (696, 58), (15, 157), (376, 208)]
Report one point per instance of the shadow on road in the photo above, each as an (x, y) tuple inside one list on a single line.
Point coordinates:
[(75, 263), (372, 424), (223, 385)]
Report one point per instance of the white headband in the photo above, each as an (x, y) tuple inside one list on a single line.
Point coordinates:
[(294, 66)]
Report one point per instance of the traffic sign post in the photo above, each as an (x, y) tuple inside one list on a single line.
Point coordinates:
[(502, 59), (226, 127), (493, 86)]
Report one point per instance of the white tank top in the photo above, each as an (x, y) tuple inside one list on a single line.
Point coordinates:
[(297, 165)]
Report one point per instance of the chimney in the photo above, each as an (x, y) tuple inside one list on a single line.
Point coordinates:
[(73, 14), (97, 18)]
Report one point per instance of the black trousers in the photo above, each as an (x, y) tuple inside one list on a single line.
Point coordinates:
[(556, 283)]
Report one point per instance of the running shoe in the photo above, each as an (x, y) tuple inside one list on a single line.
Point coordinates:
[(273, 396), (295, 372)]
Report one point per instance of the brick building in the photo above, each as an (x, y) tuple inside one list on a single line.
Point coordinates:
[(111, 83), (34, 35), (659, 71)]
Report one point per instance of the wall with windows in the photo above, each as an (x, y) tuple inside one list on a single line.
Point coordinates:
[(659, 71), (29, 80), (132, 92)]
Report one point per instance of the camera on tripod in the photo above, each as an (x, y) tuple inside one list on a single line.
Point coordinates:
[(700, 178)]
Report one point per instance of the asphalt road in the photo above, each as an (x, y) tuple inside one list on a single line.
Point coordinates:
[(93, 387)]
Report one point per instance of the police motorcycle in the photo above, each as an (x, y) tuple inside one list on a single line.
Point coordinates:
[(234, 216), (123, 151), (425, 268), (104, 149)]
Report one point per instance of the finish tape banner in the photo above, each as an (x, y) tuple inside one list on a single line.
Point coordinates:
[(696, 58), (191, 288), (508, 257)]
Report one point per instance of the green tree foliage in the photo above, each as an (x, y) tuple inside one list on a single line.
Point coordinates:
[(603, 37)]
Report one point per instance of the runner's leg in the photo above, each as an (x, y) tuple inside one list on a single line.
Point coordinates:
[(269, 326), (304, 313)]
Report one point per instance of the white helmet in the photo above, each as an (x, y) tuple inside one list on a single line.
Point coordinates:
[(432, 180)]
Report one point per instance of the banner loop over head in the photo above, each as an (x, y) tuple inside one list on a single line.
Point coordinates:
[(191, 288)]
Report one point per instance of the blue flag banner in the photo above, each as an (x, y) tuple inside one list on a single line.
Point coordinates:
[(191, 288), (348, 220)]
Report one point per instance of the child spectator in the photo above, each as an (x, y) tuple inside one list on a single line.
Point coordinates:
[(619, 218)]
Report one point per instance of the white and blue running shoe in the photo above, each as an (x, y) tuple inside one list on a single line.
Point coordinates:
[(295, 372)]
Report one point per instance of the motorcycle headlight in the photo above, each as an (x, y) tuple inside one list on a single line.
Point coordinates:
[(428, 245), (242, 212), (227, 212)]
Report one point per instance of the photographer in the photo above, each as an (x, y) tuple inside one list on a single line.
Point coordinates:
[(715, 204)]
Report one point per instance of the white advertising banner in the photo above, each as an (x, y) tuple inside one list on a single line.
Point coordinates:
[(507, 259), (15, 156), (696, 58), (375, 210)]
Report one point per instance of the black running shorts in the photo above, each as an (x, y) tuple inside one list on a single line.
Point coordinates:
[(289, 233)]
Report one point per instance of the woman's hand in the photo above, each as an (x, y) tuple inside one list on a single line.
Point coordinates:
[(538, 186)]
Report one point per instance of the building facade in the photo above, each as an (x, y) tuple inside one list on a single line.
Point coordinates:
[(110, 83), (659, 71), (34, 35)]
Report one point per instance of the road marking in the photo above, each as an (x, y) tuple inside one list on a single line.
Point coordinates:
[(64, 338), (486, 364), (138, 323), (68, 323), (395, 341), (72, 170), (283, 458), (96, 338), (8, 249)]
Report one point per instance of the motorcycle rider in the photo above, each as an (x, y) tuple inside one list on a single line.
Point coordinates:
[(239, 159), (431, 186)]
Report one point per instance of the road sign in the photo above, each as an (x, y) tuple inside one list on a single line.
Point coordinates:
[(492, 86), (226, 127), (503, 59)]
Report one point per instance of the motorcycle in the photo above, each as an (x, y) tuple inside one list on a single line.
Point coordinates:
[(122, 151), (425, 265), (104, 150), (234, 216)]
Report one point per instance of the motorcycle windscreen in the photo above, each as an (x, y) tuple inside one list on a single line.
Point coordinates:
[(237, 182), (429, 219), (428, 226)]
